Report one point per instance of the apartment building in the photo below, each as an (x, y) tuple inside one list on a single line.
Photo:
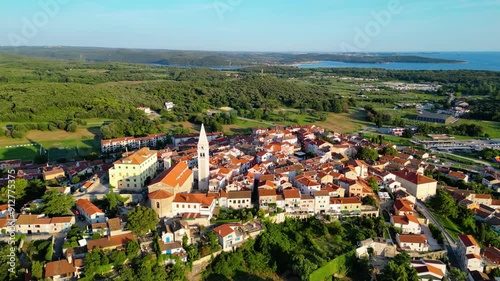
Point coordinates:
[(469, 253), (133, 170), (416, 184), (31, 224)]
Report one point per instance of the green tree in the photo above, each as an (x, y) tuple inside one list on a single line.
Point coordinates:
[(367, 153), (118, 258), (75, 180), (141, 220), (369, 200), (399, 269), (373, 184), (389, 150), (495, 272), (407, 133), (213, 240), (457, 274), (56, 204), (444, 204), (131, 249), (127, 274), (50, 252), (19, 191), (37, 269)]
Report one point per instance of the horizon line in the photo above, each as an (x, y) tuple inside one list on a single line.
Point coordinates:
[(242, 51)]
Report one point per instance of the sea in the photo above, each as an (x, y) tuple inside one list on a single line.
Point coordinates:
[(473, 61)]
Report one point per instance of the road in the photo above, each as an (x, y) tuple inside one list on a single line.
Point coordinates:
[(466, 158), (448, 240)]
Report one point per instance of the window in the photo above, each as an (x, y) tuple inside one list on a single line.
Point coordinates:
[(158, 205)]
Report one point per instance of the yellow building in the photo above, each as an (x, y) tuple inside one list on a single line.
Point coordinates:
[(134, 169)]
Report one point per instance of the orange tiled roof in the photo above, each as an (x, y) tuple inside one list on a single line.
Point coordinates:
[(457, 175), (223, 230), (473, 256), (61, 267), (412, 238), (483, 196), (267, 192), (403, 205), (175, 176), (468, 240), (138, 157), (345, 200), (291, 193), (199, 198), (414, 177), (306, 181), (160, 194), (88, 207), (108, 242)]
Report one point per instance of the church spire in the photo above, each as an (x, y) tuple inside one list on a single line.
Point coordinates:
[(203, 135), (203, 161)]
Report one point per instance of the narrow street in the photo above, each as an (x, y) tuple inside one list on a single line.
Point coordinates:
[(449, 242)]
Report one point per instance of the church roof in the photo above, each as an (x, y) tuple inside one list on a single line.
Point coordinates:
[(203, 136)]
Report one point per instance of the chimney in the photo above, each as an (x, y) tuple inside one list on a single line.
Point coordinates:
[(70, 258)]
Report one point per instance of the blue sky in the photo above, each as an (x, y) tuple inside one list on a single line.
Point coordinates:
[(256, 25)]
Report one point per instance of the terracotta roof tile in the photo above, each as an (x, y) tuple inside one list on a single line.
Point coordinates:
[(108, 242), (175, 176), (468, 240), (223, 230), (160, 194), (267, 192), (88, 207), (137, 157), (62, 267), (413, 177), (291, 193), (412, 238)]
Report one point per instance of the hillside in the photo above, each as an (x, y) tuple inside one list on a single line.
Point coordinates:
[(206, 58)]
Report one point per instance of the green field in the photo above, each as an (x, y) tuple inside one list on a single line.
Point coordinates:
[(59, 143), (337, 266), (69, 149), (391, 139), (453, 229), (491, 128), (244, 126)]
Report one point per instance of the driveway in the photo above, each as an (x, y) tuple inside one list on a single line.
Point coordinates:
[(448, 241), (433, 244)]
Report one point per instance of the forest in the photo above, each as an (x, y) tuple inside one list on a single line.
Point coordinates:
[(49, 94), (299, 247), (206, 58)]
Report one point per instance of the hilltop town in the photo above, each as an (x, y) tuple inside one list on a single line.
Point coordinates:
[(214, 193)]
